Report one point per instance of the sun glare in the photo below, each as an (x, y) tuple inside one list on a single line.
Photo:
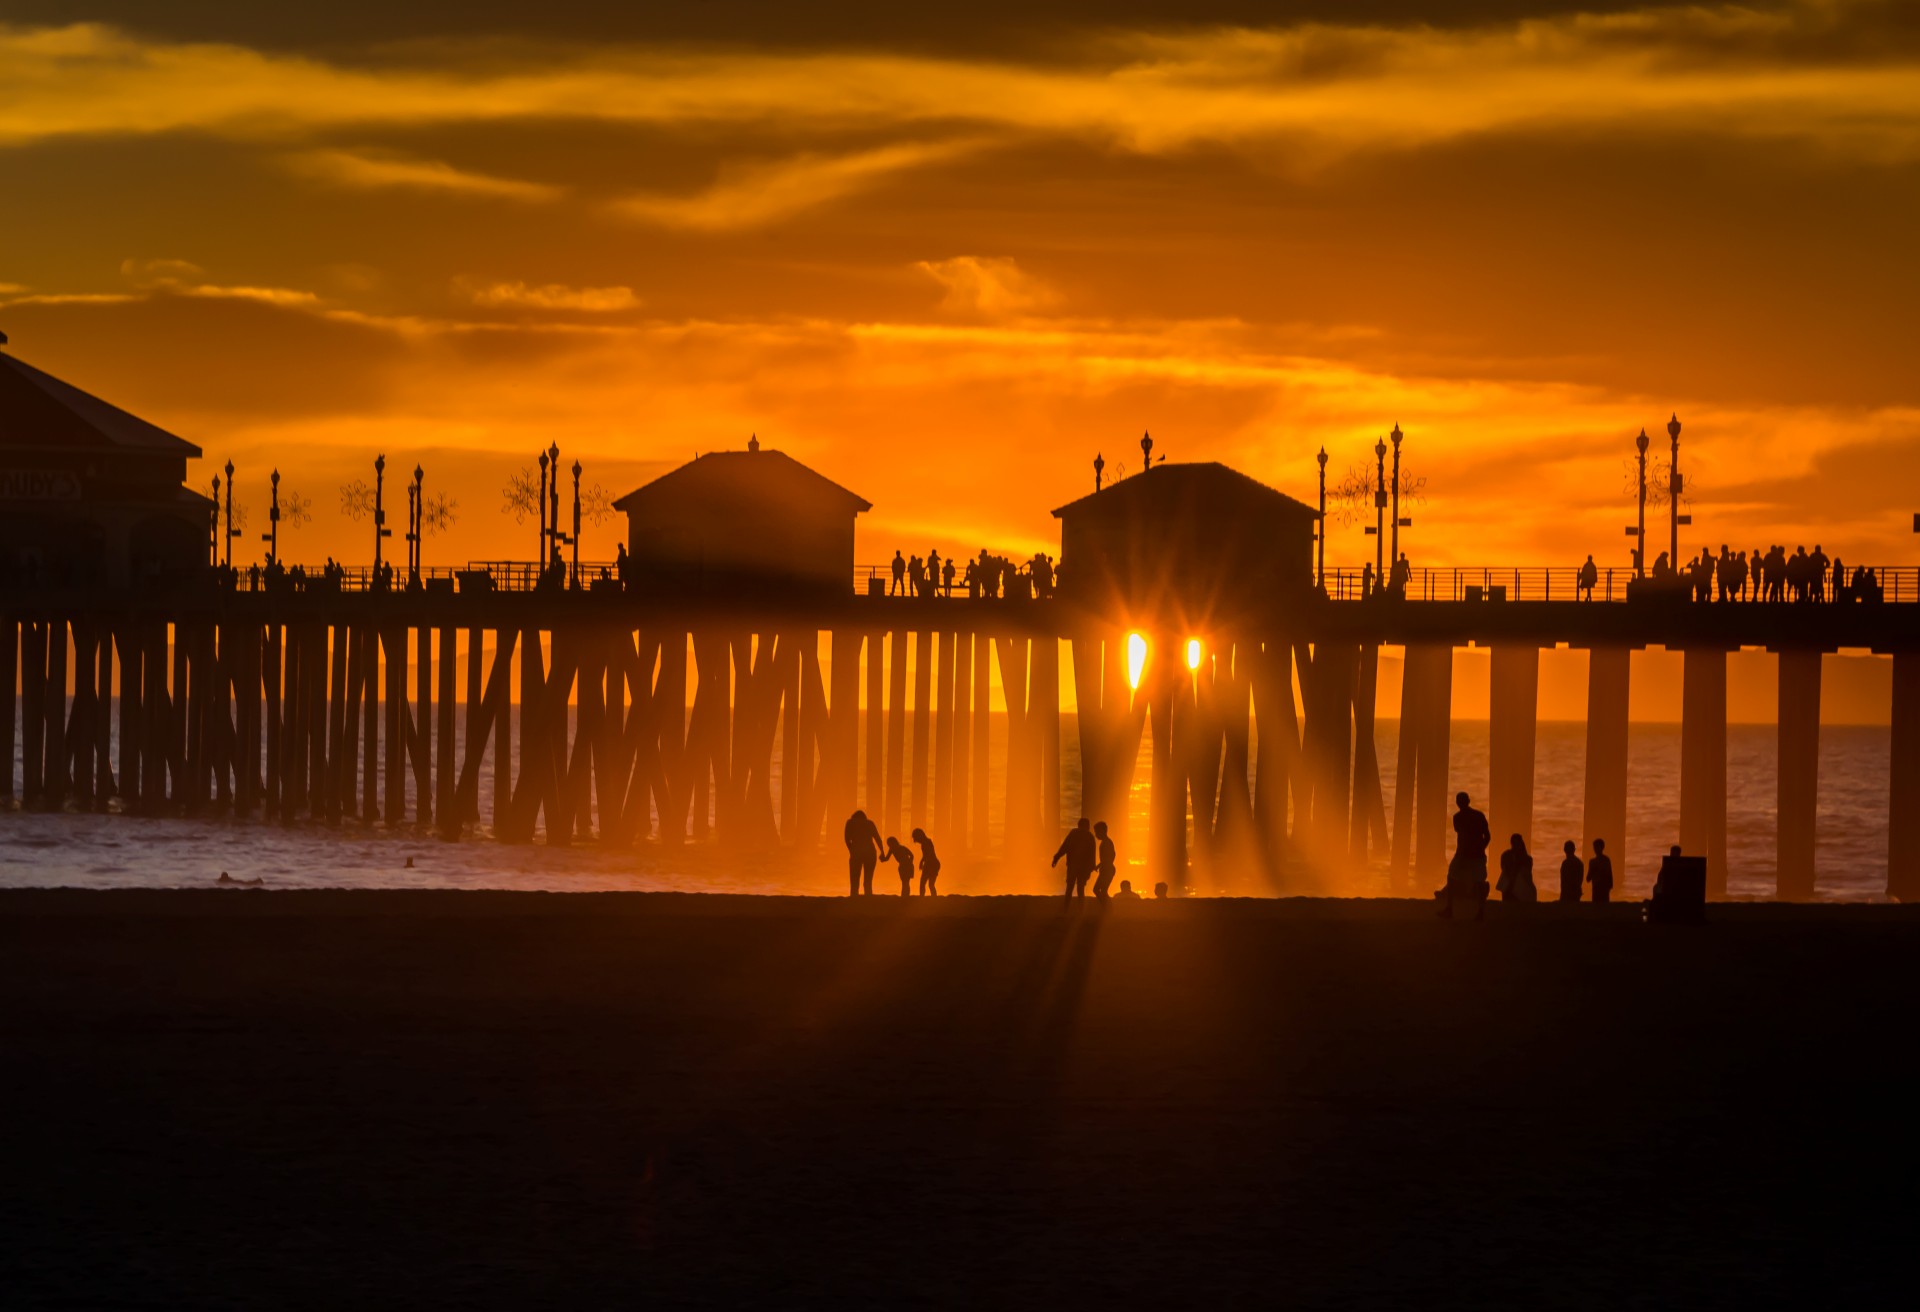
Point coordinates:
[(1193, 653), (1136, 659)]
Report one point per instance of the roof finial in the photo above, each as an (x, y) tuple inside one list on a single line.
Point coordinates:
[(753, 443)]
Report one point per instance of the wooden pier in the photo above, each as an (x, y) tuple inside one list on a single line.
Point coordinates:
[(606, 718)]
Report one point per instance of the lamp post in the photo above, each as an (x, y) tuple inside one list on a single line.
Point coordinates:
[(1146, 452), (1393, 549), (540, 553), (213, 527), (1673, 492), (553, 491), (1379, 510), (576, 523), (272, 536), (418, 508), (1320, 565), (1099, 469), (230, 531), (380, 529), (1640, 444)]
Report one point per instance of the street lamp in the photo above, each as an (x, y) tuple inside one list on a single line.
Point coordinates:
[(1640, 444), (576, 523), (1393, 551), (418, 498), (1099, 468), (540, 553), (272, 536), (1673, 492), (231, 533), (1379, 509), (380, 529), (1146, 452), (553, 490), (1320, 567), (213, 527)]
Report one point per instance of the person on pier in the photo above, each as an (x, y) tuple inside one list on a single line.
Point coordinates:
[(933, 572), (929, 864), (1401, 575), (1572, 872), (1467, 872), (1662, 569), (1105, 863), (902, 857), (899, 573), (1081, 851), (1516, 873), (863, 853), (1600, 872), (1817, 573), (1588, 577), (916, 577), (947, 575)]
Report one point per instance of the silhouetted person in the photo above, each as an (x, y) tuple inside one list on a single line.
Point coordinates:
[(1600, 872), (1401, 575), (1817, 573), (1839, 580), (1572, 872), (1588, 577), (1737, 577), (622, 565), (1467, 872), (1680, 893), (929, 864), (1662, 569), (916, 577), (1516, 873), (1082, 854), (972, 579), (863, 853), (1160, 891), (899, 574), (948, 572), (1366, 580), (902, 857), (1126, 893), (933, 572), (1104, 862)]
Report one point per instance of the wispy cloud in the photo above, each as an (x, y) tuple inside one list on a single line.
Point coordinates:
[(750, 196), (377, 171), (987, 285), (548, 296), (1725, 69)]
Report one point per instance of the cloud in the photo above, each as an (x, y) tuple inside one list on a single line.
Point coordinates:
[(1727, 69), (371, 171), (160, 270), (989, 286), (549, 296), (752, 196)]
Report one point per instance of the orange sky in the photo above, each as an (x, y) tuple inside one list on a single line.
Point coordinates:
[(946, 260)]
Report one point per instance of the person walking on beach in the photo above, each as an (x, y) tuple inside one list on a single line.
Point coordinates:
[(1105, 864), (902, 856), (863, 853), (1082, 853), (1467, 872), (929, 864), (1600, 872), (1516, 873), (1572, 872)]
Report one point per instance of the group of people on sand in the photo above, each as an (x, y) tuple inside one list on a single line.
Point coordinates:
[(1089, 852), (865, 851), (1467, 872)]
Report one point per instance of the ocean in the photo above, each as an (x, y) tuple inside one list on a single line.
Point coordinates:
[(94, 850)]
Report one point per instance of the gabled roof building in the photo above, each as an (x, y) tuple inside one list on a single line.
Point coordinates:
[(89, 494), (1192, 545), (742, 523)]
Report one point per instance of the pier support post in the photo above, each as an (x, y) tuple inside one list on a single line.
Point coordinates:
[(1703, 762), (1604, 815), (1903, 811), (926, 654), (1511, 737), (9, 680), (982, 741), (1433, 799), (1798, 799)]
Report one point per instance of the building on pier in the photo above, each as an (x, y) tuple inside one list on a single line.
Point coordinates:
[(89, 494), (741, 523), (1194, 544)]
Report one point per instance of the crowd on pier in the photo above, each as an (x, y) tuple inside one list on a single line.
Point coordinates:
[(986, 575), (1770, 575)]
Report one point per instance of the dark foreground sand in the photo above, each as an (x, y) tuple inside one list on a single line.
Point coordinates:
[(257, 1100)]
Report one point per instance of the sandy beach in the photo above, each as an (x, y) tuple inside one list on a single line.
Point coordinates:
[(249, 1099)]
